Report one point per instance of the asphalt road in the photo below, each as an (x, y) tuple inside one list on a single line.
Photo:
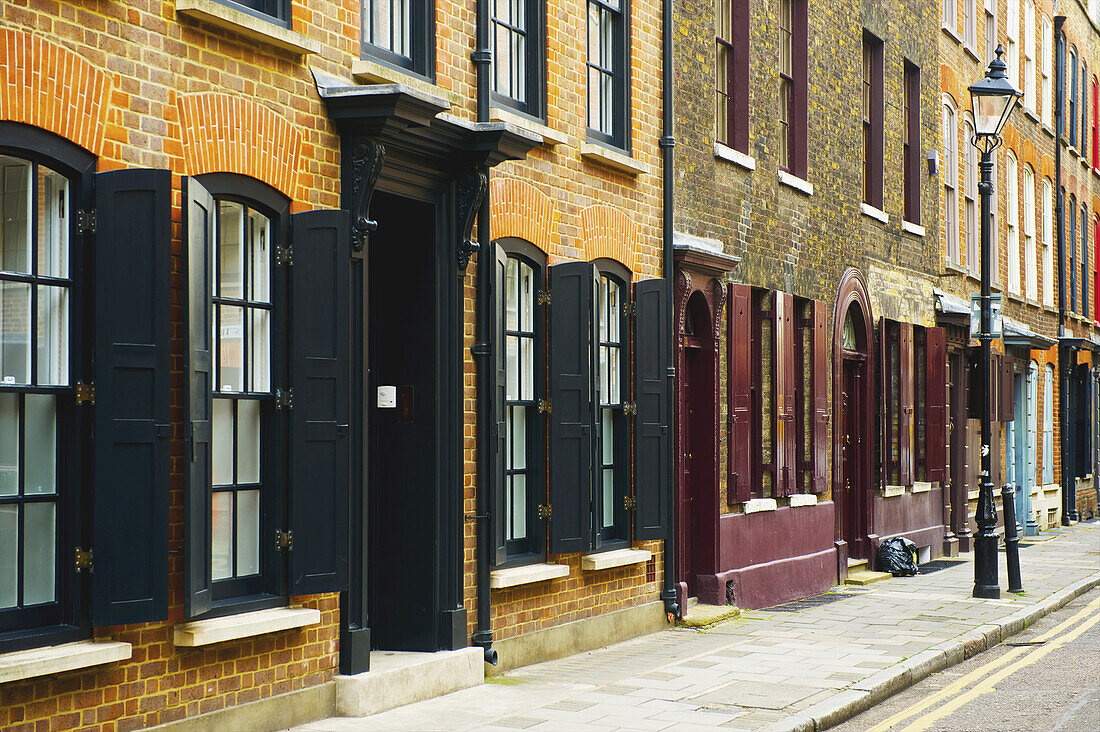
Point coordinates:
[(1045, 678)]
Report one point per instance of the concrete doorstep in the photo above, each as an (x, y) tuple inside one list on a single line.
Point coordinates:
[(399, 678)]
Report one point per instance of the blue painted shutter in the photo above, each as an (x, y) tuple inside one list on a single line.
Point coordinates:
[(571, 401), (320, 332), (199, 220), (652, 422), (132, 362)]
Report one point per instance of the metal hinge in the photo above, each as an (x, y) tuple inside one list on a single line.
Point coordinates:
[(82, 559), (284, 399), (85, 393), (545, 511), (543, 298), (284, 540), (284, 255), (630, 408), (544, 406), (630, 503), (631, 308), (85, 220)]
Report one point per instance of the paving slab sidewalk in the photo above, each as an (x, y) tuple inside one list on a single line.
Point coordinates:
[(804, 666)]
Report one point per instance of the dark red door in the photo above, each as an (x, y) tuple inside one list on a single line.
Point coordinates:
[(851, 485), (687, 465)]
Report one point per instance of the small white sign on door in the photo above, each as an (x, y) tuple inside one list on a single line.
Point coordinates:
[(387, 397)]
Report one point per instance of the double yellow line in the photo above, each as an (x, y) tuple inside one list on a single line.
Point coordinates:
[(983, 679)]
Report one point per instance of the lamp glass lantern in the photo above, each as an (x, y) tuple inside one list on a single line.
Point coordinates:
[(993, 98)]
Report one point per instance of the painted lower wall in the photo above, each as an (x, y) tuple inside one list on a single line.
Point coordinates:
[(916, 515), (771, 557)]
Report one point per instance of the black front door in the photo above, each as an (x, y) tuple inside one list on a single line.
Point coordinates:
[(403, 496)]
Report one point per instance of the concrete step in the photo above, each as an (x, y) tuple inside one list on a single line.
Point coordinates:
[(866, 577), (856, 565), (698, 615), (397, 678)]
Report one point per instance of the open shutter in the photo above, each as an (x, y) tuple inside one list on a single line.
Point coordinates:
[(498, 398), (820, 396), (133, 369), (652, 472), (883, 361), (785, 432), (905, 422), (571, 410), (1008, 391), (740, 394), (935, 400), (319, 381), (198, 237)]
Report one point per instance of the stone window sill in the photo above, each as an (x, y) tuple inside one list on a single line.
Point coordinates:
[(971, 52), (951, 32), (613, 159), (52, 660), (266, 32), (529, 574), (732, 155), (757, 505), (368, 71), (793, 181), (233, 627), (1031, 116), (616, 558), (910, 228), (550, 136), (889, 491), (875, 213), (802, 499), (920, 486)]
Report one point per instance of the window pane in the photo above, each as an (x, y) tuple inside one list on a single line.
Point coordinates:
[(221, 548), (518, 427), (230, 351), (53, 336), (593, 33), (511, 296), (15, 333), (259, 258), (593, 99), (511, 355), (527, 361), (9, 556), (519, 507), (607, 125), (519, 67), (248, 533), (15, 219), (607, 437), (53, 225), (612, 311), (39, 552), (608, 519), (9, 445), (527, 297), (230, 249), (613, 370), (222, 442), (40, 455), (260, 350), (605, 391), (248, 441)]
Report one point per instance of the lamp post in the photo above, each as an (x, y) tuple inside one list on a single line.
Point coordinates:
[(993, 99)]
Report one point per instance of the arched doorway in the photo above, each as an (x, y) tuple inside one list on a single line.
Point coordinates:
[(853, 400)]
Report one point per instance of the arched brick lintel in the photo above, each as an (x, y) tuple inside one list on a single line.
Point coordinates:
[(227, 134), (50, 87), (518, 209), (608, 232)]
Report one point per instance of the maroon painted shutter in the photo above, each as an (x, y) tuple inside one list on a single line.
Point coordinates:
[(905, 397), (784, 386), (935, 400), (883, 400), (820, 395), (740, 393)]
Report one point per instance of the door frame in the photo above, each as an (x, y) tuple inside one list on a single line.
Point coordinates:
[(852, 292)]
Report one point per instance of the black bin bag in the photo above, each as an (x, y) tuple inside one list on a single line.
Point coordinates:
[(898, 557)]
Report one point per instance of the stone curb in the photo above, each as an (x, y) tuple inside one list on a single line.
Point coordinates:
[(880, 686)]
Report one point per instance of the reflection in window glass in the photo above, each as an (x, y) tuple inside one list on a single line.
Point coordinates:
[(9, 444), (387, 24), (9, 556), (15, 333), (52, 251), (510, 49), (40, 430), (15, 215), (222, 542), (519, 347), (53, 336), (603, 16), (40, 540)]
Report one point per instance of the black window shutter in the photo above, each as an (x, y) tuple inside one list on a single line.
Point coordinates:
[(133, 366), (652, 473), (199, 219), (571, 411), (320, 332), (499, 396)]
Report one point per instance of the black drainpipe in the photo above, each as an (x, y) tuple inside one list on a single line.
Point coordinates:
[(667, 142), (1064, 352), (483, 636)]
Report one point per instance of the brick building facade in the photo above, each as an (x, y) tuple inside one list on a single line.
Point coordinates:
[(250, 131)]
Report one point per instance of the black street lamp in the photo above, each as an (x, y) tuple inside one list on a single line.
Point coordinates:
[(993, 99)]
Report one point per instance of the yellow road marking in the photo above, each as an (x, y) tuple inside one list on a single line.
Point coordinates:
[(957, 686)]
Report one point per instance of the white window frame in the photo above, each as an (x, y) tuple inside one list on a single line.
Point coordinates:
[(949, 15), (1029, 54), (1012, 223), (1045, 55), (970, 192), (970, 24), (1030, 289), (951, 179), (1048, 243), (1012, 42)]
